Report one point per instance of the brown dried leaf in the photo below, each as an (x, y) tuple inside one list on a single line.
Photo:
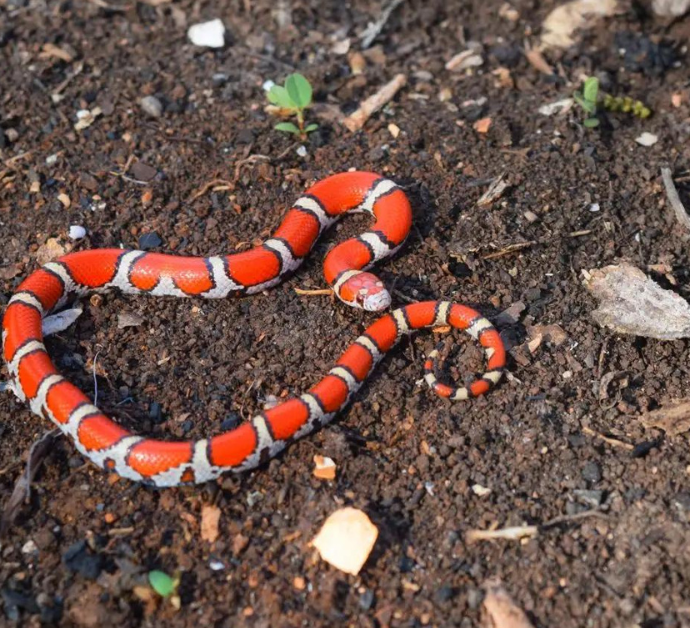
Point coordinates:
[(672, 417), (210, 516), (346, 539), (499, 610)]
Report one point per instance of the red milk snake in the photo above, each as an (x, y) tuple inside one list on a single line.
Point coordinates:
[(35, 379)]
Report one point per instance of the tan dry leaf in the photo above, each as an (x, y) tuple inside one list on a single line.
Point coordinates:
[(558, 29), (346, 539), (50, 251), (482, 125), (499, 610), (210, 516), (672, 417)]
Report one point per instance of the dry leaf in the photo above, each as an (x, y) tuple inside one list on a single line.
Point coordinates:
[(632, 303), (324, 468), (59, 322), (49, 251), (499, 610), (346, 539), (482, 125), (673, 417), (560, 25), (210, 516)]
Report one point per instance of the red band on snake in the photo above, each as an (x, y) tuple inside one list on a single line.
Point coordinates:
[(35, 379)]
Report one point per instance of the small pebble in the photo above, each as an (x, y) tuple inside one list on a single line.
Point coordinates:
[(77, 232), (302, 151), (149, 241), (208, 34), (152, 106), (366, 600), (216, 565), (592, 472), (29, 547), (444, 594), (682, 501)]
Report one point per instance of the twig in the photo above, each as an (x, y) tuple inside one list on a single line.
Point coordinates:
[(372, 31), (95, 380), (371, 105), (607, 439), (674, 199), (225, 185), (512, 534), (511, 248), (585, 514), (314, 293)]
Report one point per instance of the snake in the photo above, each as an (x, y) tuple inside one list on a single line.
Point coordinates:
[(35, 380)]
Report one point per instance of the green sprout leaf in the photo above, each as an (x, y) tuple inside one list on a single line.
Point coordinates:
[(591, 89), (279, 96), (591, 123), (299, 90), (288, 127), (162, 583), (587, 105), (311, 127)]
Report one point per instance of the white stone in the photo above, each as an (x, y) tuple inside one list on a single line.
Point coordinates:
[(647, 139), (208, 34), (77, 232)]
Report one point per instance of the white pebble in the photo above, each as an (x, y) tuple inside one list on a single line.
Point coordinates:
[(302, 151), (267, 85), (152, 106), (647, 139), (77, 232), (594, 207), (209, 34), (51, 159), (29, 547)]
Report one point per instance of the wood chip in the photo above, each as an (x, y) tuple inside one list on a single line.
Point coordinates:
[(371, 105), (482, 125), (674, 199), (324, 468), (51, 250), (495, 191), (210, 516), (499, 610), (346, 539), (560, 25), (537, 61), (65, 200)]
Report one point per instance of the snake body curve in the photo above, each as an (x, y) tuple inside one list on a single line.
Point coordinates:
[(35, 379)]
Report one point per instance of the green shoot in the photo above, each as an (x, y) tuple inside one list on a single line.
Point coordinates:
[(587, 99), (165, 586), (590, 98), (292, 99)]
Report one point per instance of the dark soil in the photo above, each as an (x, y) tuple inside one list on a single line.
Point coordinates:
[(85, 540)]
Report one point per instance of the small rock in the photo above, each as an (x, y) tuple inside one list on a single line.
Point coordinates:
[(155, 412), (77, 232), (592, 472), (682, 501), (128, 319), (647, 139), (29, 547), (302, 151), (88, 182), (366, 600), (148, 241), (230, 422), (143, 172), (444, 594), (219, 79), (152, 106), (208, 34), (245, 136), (589, 498), (79, 559), (51, 160), (65, 200)]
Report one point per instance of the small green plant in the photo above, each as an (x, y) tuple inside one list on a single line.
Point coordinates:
[(165, 586), (293, 98), (587, 99), (590, 98)]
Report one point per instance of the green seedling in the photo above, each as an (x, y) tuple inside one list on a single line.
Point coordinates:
[(165, 586), (293, 98), (590, 98), (587, 99)]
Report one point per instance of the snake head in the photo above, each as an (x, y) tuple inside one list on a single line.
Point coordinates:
[(365, 291)]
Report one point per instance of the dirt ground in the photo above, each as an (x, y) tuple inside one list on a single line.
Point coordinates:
[(577, 199)]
